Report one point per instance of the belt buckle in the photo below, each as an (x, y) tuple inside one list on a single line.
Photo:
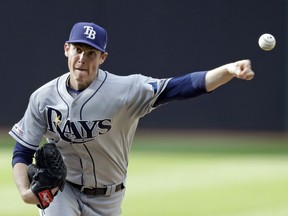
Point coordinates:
[(85, 187)]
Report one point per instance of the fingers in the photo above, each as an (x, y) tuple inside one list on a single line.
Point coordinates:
[(247, 76), (243, 70)]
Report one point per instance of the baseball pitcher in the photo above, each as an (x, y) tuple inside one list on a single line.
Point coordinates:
[(90, 117)]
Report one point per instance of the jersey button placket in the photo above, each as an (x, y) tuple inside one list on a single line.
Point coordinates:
[(73, 116), (73, 110)]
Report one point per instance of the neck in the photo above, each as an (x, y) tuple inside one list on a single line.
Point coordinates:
[(73, 83)]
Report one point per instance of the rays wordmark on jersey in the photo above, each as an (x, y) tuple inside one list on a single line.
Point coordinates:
[(79, 131)]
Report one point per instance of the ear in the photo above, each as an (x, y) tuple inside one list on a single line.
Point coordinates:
[(103, 57), (66, 49)]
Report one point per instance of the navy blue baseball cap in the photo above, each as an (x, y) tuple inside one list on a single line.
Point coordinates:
[(89, 33)]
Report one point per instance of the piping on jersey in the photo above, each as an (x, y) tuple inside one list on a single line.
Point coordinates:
[(70, 124)]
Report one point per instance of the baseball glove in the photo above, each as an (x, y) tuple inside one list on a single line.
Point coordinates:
[(48, 172)]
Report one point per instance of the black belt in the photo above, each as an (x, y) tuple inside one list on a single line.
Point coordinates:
[(95, 191)]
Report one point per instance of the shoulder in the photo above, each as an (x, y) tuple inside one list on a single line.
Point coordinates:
[(137, 84), (121, 79), (128, 80), (47, 92), (50, 86)]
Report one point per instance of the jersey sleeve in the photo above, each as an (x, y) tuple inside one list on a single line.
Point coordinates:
[(146, 93), (183, 87), (22, 154), (30, 129), (143, 93)]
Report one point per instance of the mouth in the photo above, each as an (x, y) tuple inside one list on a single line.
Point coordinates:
[(81, 69)]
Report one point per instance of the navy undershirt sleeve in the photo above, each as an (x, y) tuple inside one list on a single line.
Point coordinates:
[(22, 154), (183, 87)]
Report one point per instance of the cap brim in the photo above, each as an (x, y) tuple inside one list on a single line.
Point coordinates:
[(86, 42)]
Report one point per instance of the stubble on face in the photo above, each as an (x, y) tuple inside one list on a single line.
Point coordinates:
[(84, 62)]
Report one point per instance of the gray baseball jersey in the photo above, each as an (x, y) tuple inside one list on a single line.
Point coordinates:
[(94, 130)]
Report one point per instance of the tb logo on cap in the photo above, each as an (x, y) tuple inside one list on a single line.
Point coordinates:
[(89, 32)]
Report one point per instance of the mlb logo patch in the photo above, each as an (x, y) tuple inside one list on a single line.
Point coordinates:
[(19, 130)]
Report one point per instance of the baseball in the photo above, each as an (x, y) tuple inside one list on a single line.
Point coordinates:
[(267, 42)]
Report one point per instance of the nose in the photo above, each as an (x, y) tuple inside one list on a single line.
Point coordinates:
[(82, 58)]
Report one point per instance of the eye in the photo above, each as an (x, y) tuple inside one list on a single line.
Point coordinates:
[(78, 50), (92, 54)]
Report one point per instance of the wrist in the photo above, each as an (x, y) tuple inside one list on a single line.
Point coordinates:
[(230, 68)]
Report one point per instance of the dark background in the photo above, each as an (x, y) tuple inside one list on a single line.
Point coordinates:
[(159, 38)]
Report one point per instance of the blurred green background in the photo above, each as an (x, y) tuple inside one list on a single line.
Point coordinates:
[(191, 173)]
